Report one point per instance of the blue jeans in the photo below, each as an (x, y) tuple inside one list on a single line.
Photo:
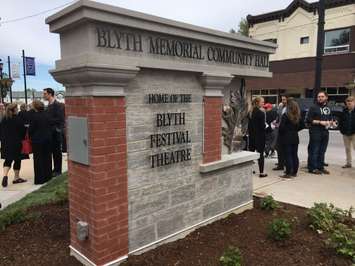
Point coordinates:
[(318, 143), (291, 156)]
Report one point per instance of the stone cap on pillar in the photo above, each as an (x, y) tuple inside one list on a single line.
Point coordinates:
[(95, 80), (215, 83), (92, 33), (86, 10)]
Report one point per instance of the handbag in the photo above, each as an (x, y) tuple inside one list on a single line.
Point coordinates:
[(26, 145)]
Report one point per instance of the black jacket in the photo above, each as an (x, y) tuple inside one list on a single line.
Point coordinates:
[(288, 131), (40, 129), (25, 116), (347, 122), (12, 133), (57, 115), (256, 129), (318, 112), (270, 117)]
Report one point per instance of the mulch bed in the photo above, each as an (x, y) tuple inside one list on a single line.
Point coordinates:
[(45, 240)]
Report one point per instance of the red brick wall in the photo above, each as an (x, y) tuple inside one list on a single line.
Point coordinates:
[(330, 78), (212, 129), (338, 70), (98, 192)]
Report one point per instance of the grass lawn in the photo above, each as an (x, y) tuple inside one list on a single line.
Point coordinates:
[(55, 191)]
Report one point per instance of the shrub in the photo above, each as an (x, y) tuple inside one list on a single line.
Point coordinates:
[(325, 218), (268, 203), (279, 229), (231, 257), (342, 239)]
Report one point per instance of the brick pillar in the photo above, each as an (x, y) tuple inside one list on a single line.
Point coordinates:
[(212, 144), (213, 104), (98, 191)]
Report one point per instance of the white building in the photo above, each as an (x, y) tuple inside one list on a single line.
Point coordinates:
[(295, 29)]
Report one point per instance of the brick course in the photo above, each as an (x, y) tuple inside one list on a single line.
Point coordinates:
[(98, 192), (212, 129), (338, 70)]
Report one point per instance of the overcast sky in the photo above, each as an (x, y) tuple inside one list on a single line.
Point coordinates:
[(33, 35)]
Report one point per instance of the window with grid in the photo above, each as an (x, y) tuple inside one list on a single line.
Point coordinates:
[(337, 41)]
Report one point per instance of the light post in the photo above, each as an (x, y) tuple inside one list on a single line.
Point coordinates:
[(320, 49)]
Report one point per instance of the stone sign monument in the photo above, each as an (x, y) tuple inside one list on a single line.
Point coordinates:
[(144, 100)]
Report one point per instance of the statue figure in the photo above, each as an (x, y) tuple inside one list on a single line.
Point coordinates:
[(235, 116)]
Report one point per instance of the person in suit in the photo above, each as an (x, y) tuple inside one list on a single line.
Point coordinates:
[(271, 116), (12, 134), (257, 131), (23, 114), (57, 116), (290, 124), (280, 151), (347, 128), (41, 135)]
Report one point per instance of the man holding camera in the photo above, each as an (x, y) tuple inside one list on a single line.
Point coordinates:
[(319, 118)]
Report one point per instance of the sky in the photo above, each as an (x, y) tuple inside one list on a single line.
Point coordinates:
[(33, 36)]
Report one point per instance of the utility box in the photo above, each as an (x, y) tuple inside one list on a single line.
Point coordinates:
[(78, 139)]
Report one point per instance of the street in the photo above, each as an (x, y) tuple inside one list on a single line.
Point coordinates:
[(337, 188), (335, 153)]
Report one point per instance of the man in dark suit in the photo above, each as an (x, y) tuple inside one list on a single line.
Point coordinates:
[(279, 147), (56, 112), (347, 129)]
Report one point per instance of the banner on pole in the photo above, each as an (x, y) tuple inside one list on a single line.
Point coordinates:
[(15, 71), (30, 66)]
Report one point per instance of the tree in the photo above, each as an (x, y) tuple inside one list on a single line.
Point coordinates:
[(5, 85), (244, 27)]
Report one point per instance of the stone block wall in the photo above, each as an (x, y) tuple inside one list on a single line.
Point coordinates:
[(168, 199)]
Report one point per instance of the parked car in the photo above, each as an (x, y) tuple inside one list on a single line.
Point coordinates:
[(306, 103)]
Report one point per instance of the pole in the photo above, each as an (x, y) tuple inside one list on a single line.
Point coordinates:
[(320, 48), (9, 67), (24, 74)]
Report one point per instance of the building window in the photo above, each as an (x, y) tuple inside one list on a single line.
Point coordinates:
[(304, 40), (337, 95), (271, 40), (269, 95), (337, 41)]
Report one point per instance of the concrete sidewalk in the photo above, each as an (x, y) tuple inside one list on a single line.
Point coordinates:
[(14, 192), (337, 188)]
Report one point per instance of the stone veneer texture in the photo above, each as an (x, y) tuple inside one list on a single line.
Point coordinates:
[(167, 199)]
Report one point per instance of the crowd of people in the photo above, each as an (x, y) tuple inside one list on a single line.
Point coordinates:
[(37, 126), (270, 130), (277, 130)]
